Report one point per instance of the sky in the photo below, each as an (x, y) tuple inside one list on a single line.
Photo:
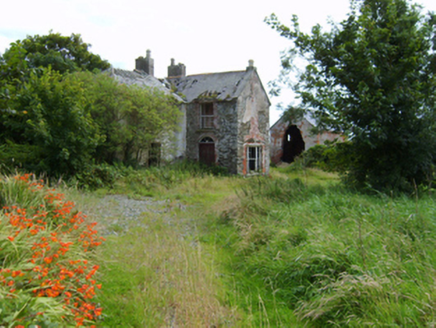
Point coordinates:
[(206, 36)]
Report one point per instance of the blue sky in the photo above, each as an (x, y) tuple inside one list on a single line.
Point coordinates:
[(206, 36)]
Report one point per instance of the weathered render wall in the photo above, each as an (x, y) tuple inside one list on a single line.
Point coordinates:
[(278, 131), (223, 133), (253, 116)]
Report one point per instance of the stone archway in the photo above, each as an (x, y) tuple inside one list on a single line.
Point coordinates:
[(292, 145)]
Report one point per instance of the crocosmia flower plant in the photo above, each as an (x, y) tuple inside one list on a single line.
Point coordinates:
[(48, 270)]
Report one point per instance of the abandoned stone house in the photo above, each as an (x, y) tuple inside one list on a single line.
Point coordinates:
[(225, 116), (290, 139)]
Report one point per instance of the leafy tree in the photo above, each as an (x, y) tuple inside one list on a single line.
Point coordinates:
[(61, 53), (47, 126), (129, 117), (372, 77), (58, 117)]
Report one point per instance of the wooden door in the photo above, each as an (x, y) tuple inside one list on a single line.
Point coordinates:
[(207, 153)]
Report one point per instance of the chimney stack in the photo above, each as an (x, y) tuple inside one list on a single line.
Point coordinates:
[(145, 64), (251, 65), (176, 70)]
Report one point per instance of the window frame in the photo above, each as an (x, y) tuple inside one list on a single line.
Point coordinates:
[(258, 158), (207, 119)]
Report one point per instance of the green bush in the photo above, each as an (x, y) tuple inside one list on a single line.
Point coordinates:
[(97, 176), (330, 157)]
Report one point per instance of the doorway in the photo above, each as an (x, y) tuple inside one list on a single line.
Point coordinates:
[(206, 151), (293, 144)]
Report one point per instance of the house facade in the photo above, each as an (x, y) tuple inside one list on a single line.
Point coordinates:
[(225, 117)]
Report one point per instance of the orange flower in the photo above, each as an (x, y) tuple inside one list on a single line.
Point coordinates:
[(16, 273)]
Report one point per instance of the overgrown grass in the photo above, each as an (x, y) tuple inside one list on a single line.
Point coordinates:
[(156, 272), (335, 257), (145, 181), (295, 249)]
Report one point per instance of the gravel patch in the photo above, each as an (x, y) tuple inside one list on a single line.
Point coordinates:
[(117, 214)]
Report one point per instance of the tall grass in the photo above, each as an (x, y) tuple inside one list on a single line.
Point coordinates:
[(156, 271), (335, 257)]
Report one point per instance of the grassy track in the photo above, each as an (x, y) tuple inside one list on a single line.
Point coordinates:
[(292, 250)]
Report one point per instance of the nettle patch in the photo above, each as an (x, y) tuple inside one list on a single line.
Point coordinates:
[(47, 256)]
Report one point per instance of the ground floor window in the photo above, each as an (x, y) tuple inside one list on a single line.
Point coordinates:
[(154, 154), (254, 159)]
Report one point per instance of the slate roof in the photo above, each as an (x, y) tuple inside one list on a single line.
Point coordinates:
[(141, 79), (219, 86), (306, 117)]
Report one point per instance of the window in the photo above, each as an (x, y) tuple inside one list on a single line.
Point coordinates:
[(254, 159), (154, 154), (206, 116)]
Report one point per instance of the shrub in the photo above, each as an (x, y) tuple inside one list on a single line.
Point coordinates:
[(98, 176), (331, 157), (47, 254)]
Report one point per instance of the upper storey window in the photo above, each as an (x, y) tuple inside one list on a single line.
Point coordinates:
[(206, 116)]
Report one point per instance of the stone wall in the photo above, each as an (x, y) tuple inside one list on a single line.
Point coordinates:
[(224, 133)]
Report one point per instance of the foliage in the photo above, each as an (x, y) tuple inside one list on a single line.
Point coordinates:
[(48, 127), (62, 53), (373, 78), (47, 277), (68, 124), (330, 157), (129, 117), (96, 176)]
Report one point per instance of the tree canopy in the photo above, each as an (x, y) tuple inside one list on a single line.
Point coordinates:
[(61, 53), (372, 78), (59, 114)]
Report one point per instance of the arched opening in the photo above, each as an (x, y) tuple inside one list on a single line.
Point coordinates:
[(206, 151), (293, 144)]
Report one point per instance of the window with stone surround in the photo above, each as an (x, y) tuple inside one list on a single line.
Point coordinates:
[(206, 116), (254, 159)]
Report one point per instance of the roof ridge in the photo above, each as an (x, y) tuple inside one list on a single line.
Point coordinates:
[(213, 73)]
